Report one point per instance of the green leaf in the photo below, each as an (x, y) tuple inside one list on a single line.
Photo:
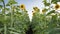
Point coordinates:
[(0, 6), (1, 0), (14, 2), (55, 31), (11, 2), (55, 1), (1, 29), (53, 11), (45, 3), (13, 29), (8, 4), (8, 14), (7, 9)]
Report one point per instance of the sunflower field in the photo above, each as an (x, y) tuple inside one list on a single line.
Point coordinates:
[(14, 19)]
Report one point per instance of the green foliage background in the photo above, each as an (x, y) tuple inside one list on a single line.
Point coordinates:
[(15, 21)]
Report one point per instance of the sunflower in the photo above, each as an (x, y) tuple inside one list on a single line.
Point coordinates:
[(44, 11), (22, 6), (57, 6), (35, 8)]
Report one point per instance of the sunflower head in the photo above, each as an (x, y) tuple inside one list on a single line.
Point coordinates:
[(22, 6), (44, 11), (57, 6), (35, 8)]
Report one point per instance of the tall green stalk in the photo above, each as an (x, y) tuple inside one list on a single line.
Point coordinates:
[(12, 21), (11, 17), (5, 27)]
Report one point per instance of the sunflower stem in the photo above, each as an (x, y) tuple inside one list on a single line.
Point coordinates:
[(5, 29), (11, 17)]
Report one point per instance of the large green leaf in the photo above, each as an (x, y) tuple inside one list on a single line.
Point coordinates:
[(55, 1), (53, 11), (11, 2)]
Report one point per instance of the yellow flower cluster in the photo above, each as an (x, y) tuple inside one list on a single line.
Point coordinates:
[(35, 10)]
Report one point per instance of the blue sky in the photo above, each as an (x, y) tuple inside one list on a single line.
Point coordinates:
[(29, 3)]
